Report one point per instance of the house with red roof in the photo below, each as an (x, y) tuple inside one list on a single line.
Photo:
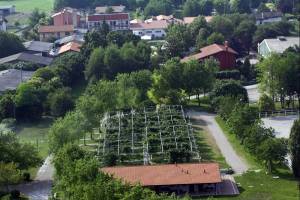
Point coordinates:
[(196, 179), (115, 21), (222, 53), (57, 32), (67, 16)]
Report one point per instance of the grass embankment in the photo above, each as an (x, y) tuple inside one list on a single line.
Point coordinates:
[(258, 185), (36, 134), (27, 6)]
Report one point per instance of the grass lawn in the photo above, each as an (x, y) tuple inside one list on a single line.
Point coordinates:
[(259, 185), (26, 6), (36, 134)]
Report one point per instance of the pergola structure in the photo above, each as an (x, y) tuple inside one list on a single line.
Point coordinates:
[(146, 135)]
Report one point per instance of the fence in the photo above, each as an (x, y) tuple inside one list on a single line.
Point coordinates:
[(275, 113)]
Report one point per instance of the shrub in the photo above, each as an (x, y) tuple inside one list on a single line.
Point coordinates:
[(265, 103)]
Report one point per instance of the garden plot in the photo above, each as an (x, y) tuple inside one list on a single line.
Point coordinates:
[(144, 135)]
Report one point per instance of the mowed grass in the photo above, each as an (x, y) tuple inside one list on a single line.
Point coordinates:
[(26, 6), (260, 185), (35, 134)]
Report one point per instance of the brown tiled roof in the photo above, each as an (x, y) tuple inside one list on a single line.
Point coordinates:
[(162, 24), (209, 51), (56, 29), (114, 16), (168, 174), (71, 46)]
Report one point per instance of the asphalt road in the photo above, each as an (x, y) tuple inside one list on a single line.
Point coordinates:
[(238, 165), (40, 188)]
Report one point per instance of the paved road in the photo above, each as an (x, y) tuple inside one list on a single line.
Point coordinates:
[(231, 157), (40, 188)]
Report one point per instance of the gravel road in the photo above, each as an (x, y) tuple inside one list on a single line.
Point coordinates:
[(231, 157)]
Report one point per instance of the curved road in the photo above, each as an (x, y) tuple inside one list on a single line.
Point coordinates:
[(238, 165)]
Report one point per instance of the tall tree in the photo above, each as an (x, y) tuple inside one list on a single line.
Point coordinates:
[(295, 148), (191, 8), (9, 44)]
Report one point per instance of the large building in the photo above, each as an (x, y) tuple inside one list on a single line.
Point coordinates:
[(154, 29), (115, 21), (66, 17), (222, 53), (55, 32), (276, 45), (196, 179), (38, 47), (26, 57)]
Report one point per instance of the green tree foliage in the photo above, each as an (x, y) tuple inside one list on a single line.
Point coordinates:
[(191, 8), (295, 148), (265, 103), (222, 25), (206, 7), (285, 6), (240, 6), (157, 7), (9, 44), (222, 6), (197, 26), (95, 69), (12, 151), (60, 102), (244, 32), (9, 174), (272, 150), (178, 40), (35, 17), (7, 106), (215, 38)]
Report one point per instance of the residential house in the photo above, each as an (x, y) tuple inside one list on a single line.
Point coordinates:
[(26, 57), (7, 10), (67, 16), (114, 9), (50, 32), (225, 55), (3, 25), (268, 17), (115, 21), (11, 78), (155, 29), (277, 45), (69, 47), (38, 47), (195, 179)]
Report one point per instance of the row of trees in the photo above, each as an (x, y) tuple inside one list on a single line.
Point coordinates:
[(190, 7), (279, 77), (239, 30)]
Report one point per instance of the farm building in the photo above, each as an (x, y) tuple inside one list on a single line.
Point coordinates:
[(38, 47), (222, 53), (27, 57), (11, 78), (196, 179)]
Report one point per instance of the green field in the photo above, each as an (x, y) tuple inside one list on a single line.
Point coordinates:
[(26, 6)]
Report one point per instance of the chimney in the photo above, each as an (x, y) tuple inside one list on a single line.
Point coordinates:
[(226, 45)]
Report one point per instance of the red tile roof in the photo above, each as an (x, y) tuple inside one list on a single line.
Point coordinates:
[(161, 24), (56, 29), (71, 46), (168, 174), (209, 51), (114, 16)]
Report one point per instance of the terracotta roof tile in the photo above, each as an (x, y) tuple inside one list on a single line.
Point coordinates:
[(168, 174), (56, 29), (162, 24), (71, 46), (209, 51)]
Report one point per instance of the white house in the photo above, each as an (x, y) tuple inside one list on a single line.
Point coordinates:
[(154, 29), (115, 21), (268, 17), (276, 45), (3, 22)]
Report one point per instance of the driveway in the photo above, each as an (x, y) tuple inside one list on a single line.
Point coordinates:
[(40, 188), (238, 165)]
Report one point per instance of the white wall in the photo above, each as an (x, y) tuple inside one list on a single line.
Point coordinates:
[(277, 19), (156, 33)]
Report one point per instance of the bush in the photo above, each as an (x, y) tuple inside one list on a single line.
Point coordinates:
[(26, 176), (110, 159), (265, 103), (229, 74)]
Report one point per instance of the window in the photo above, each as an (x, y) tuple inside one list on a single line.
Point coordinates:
[(67, 33), (157, 31), (148, 31)]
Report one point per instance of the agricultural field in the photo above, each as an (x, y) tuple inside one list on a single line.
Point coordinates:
[(145, 136), (26, 6)]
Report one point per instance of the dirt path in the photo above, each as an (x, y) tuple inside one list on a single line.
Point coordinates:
[(231, 157)]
